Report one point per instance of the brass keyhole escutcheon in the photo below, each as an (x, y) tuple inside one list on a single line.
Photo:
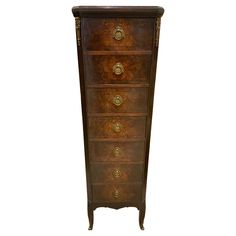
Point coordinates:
[(118, 68), (116, 194), (117, 127), (116, 173), (116, 151), (117, 100), (118, 33)]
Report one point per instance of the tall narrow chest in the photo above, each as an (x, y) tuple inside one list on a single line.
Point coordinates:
[(117, 55)]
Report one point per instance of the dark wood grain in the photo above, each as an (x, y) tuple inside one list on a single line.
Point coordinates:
[(102, 100), (105, 173), (117, 11), (127, 192), (131, 127), (123, 52), (99, 69), (106, 151), (98, 51), (98, 34)]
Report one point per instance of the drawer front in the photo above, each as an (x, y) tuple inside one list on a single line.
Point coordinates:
[(116, 193), (110, 173), (116, 151), (118, 33), (117, 69), (116, 127), (117, 100)]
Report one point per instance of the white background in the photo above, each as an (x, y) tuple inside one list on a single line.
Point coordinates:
[(192, 177)]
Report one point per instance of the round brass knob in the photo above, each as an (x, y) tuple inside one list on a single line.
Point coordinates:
[(117, 100), (117, 127), (116, 194), (116, 173), (116, 151), (118, 68), (118, 33)]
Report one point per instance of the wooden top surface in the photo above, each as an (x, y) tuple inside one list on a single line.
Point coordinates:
[(116, 11)]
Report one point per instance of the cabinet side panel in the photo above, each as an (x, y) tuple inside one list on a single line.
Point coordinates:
[(155, 44), (79, 23)]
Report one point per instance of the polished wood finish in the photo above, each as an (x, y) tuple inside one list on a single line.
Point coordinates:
[(136, 69), (126, 192), (134, 31), (120, 173), (121, 100), (110, 151), (116, 127), (117, 11), (117, 52)]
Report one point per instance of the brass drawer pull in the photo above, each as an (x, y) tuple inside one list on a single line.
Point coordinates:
[(117, 127), (116, 194), (118, 33), (116, 151), (118, 68), (117, 100), (116, 173)]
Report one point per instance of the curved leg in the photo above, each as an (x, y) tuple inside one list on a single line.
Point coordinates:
[(90, 216), (142, 215)]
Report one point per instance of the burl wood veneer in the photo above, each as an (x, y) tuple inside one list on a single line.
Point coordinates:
[(117, 55)]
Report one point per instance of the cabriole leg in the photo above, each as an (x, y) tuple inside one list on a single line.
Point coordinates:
[(90, 216), (142, 215)]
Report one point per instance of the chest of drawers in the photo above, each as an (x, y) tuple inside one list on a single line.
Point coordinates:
[(117, 54)]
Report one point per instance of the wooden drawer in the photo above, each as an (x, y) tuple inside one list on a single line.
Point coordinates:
[(116, 151), (116, 127), (108, 173), (117, 69), (118, 33), (117, 100), (116, 193)]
